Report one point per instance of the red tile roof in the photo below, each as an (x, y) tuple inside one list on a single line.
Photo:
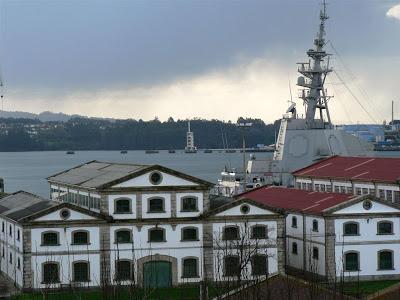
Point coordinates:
[(290, 199), (381, 169)]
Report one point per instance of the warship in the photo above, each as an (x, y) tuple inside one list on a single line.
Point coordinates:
[(303, 141)]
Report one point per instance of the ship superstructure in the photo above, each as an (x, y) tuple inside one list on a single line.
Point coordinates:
[(302, 141)]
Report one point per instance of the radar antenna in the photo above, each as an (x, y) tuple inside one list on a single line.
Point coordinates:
[(313, 77)]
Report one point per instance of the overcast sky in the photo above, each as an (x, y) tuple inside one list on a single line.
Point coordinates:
[(209, 59)]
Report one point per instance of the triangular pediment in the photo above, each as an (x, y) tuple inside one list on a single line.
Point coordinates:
[(367, 206), (243, 209)]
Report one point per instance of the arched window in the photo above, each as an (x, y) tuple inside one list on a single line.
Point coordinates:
[(231, 233), (189, 204), (315, 225), (385, 260), (385, 227), (231, 266), (50, 238), (351, 261), (156, 205), (351, 228), (259, 232), (123, 270), (259, 265), (189, 234), (81, 271), (50, 273), (123, 236), (80, 237), (294, 222), (123, 206), (190, 268), (156, 235), (294, 248)]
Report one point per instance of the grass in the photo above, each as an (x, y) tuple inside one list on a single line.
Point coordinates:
[(364, 288), (181, 293)]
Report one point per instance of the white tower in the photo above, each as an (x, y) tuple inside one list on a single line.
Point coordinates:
[(190, 147)]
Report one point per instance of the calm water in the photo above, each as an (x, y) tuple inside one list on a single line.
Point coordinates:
[(28, 170)]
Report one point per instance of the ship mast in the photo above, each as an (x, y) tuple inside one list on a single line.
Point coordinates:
[(314, 74)]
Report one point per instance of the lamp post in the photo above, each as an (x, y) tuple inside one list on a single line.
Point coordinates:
[(243, 126)]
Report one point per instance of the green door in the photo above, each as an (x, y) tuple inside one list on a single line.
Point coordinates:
[(157, 274)]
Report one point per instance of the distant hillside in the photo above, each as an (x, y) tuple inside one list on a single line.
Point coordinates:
[(27, 134), (46, 116)]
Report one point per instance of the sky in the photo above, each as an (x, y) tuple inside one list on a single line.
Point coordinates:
[(195, 59)]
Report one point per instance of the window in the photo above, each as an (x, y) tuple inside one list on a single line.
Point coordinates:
[(123, 236), (309, 186), (322, 187), (19, 263), (298, 185), (231, 233), (123, 206), (365, 191), (349, 190), (189, 234), (2, 227), (397, 197), (50, 273), (10, 230), (350, 228), (328, 188), (189, 268), (294, 248), (294, 222), (18, 235), (385, 260), (156, 205), (358, 191), (315, 253), (81, 271), (189, 204), (343, 189), (385, 227), (389, 195), (315, 225), (157, 235), (11, 258), (259, 265), (304, 186), (3, 253), (50, 239), (351, 261), (372, 192), (80, 238), (316, 187), (259, 232), (123, 270), (382, 194), (337, 189), (231, 266)]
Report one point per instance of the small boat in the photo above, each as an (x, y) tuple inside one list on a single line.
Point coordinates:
[(171, 151), (151, 151), (208, 151), (124, 152), (230, 151), (70, 152), (191, 151)]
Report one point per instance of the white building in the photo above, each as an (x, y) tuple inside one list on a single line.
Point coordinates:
[(337, 235), (378, 176), (111, 223)]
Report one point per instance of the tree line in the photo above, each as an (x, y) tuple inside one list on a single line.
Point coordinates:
[(94, 134)]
